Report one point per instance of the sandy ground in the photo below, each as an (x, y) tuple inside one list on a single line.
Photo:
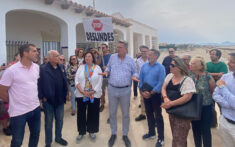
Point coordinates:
[(137, 129)]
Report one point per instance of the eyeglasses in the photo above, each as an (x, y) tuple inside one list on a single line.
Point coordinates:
[(172, 65), (171, 51), (73, 58), (62, 59)]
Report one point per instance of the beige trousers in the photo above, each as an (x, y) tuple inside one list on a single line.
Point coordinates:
[(227, 132)]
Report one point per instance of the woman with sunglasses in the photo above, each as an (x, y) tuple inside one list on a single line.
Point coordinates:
[(205, 85), (71, 72), (183, 88), (79, 54), (88, 92)]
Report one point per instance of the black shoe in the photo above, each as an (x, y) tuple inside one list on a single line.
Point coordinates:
[(61, 141), (7, 131), (101, 108), (126, 141), (160, 143), (140, 117), (48, 145), (148, 136), (108, 121), (112, 140)]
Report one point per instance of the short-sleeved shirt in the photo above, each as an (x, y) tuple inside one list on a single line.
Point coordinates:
[(187, 86), (203, 87), (23, 91), (216, 67)]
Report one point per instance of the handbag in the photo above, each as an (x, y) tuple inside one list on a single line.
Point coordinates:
[(190, 110), (3, 110)]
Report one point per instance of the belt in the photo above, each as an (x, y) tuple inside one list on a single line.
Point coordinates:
[(230, 121), (120, 86)]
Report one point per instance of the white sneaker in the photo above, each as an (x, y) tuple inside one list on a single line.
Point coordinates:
[(92, 136), (79, 138)]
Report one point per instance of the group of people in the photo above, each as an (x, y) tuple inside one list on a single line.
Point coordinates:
[(25, 84)]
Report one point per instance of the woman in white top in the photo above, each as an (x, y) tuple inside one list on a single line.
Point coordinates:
[(183, 87), (88, 92)]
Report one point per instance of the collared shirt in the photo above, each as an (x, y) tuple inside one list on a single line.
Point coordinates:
[(153, 75), (121, 71), (23, 91), (225, 96), (139, 63)]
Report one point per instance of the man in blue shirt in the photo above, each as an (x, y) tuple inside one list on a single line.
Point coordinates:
[(224, 95), (152, 75)]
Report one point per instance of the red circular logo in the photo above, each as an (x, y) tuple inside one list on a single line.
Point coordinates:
[(97, 25)]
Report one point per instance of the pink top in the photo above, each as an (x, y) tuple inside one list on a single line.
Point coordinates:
[(23, 91)]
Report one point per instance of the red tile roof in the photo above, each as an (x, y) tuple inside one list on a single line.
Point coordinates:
[(65, 4)]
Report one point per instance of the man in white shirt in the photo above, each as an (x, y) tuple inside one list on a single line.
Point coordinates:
[(139, 63)]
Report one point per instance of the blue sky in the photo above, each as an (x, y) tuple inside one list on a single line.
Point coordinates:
[(178, 21)]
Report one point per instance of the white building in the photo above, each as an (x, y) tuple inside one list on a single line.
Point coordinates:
[(57, 24)]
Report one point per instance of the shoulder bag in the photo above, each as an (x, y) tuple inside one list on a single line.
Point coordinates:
[(190, 110)]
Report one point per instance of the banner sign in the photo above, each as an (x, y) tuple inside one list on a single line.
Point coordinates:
[(98, 29)]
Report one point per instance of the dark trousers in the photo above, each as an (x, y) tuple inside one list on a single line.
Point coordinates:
[(202, 128), (135, 85), (51, 111), (154, 114), (33, 118), (88, 116)]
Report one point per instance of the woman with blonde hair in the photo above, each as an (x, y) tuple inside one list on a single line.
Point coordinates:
[(205, 85), (178, 89)]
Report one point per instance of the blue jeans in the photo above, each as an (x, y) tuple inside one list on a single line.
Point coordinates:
[(33, 118), (72, 89), (58, 112)]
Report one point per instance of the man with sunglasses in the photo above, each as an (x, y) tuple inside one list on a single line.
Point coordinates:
[(167, 60)]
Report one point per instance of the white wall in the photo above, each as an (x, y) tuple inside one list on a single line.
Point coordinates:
[(50, 23)]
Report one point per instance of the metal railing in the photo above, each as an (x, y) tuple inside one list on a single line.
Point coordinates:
[(12, 48)]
